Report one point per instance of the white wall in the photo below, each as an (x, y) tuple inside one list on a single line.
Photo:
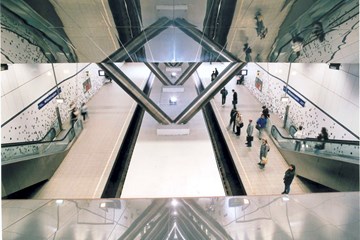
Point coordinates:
[(334, 91), (22, 84)]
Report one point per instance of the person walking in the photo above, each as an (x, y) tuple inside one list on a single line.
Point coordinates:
[(249, 132), (84, 111), (239, 123), (232, 118), (264, 149), (224, 93), (288, 178), (299, 135), (260, 125), (235, 98)]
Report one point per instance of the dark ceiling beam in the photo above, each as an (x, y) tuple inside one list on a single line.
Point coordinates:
[(158, 73), (190, 30), (209, 92), (187, 73), (144, 101), (138, 42)]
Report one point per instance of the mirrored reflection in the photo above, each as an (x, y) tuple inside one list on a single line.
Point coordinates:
[(311, 216), (211, 31)]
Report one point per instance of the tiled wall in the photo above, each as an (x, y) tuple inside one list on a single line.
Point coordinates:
[(32, 124), (315, 85)]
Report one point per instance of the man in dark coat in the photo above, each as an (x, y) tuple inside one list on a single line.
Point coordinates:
[(223, 92), (288, 178), (232, 119), (235, 98)]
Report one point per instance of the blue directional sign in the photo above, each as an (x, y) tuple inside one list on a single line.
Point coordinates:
[(49, 98), (294, 96)]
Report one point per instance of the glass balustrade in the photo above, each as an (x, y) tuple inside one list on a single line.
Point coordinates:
[(11, 152), (342, 149)]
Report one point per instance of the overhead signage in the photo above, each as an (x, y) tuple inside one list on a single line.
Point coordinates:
[(294, 96), (49, 98)]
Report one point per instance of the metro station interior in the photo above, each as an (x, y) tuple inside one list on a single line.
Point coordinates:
[(155, 157)]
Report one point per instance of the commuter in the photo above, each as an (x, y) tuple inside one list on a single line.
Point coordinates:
[(265, 111), (216, 72), (288, 178), (247, 51), (323, 136), (84, 111), (213, 76), (73, 115), (264, 149), (235, 98), (249, 132), (224, 93), (299, 134), (232, 118), (260, 125), (239, 123)]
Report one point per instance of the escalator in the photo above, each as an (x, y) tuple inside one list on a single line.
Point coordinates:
[(25, 164), (336, 166)]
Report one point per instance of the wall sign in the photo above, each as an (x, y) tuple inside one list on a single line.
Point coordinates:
[(49, 98), (86, 85), (294, 96)]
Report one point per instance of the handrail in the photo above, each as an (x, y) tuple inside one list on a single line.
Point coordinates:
[(36, 142), (338, 141)]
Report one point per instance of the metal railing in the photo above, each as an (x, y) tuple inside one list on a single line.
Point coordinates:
[(11, 152)]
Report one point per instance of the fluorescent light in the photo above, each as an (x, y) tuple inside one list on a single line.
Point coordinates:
[(59, 201), (173, 100), (59, 100), (284, 99), (174, 202), (103, 205)]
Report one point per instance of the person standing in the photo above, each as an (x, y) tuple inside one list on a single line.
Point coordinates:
[(232, 118), (260, 125), (264, 149), (323, 136), (249, 132), (73, 115), (224, 93), (235, 98), (239, 123), (288, 178), (216, 72), (84, 111), (213, 76), (299, 134)]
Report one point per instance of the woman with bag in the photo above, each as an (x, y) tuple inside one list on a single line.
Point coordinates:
[(264, 149)]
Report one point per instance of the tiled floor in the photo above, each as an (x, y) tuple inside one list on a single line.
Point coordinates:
[(163, 166)]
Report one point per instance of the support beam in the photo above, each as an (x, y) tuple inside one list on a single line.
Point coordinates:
[(188, 72), (205, 42), (158, 73), (125, 83), (139, 41), (210, 91)]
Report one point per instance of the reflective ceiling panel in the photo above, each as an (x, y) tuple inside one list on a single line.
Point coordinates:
[(308, 216), (251, 30)]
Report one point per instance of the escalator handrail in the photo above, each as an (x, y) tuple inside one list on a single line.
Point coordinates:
[(347, 142), (36, 142)]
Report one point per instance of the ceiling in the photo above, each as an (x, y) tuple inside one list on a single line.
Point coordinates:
[(247, 30), (309, 216)]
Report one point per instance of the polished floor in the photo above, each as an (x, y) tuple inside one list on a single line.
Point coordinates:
[(164, 166)]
